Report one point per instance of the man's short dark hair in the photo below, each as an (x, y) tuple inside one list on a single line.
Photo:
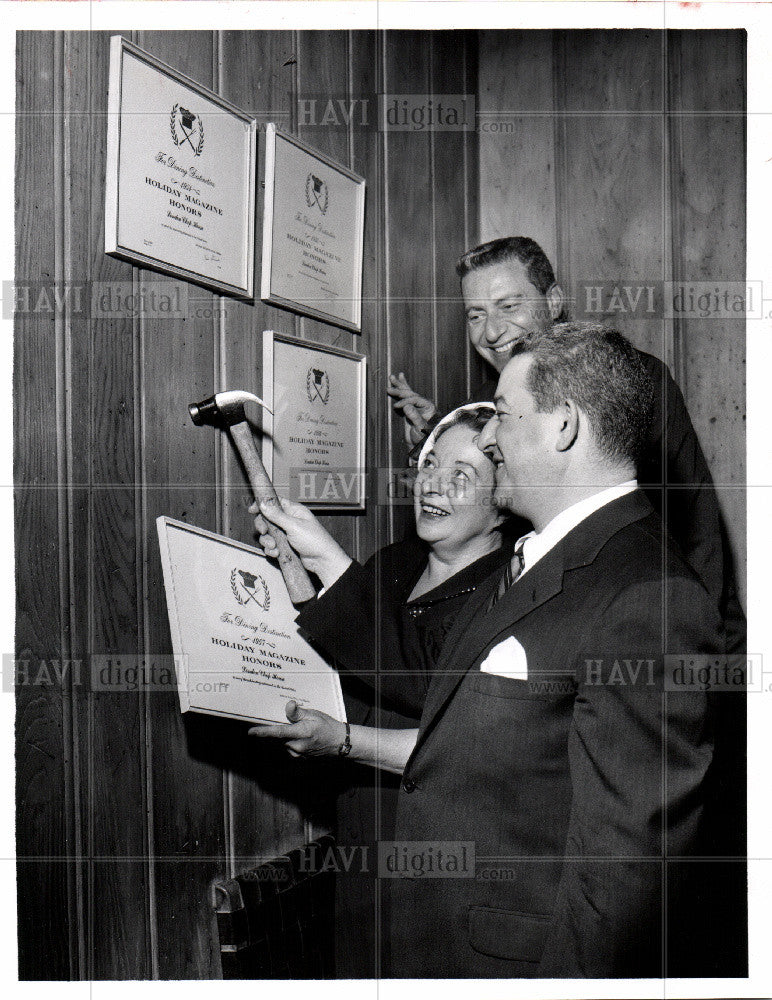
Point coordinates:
[(507, 248), (602, 373)]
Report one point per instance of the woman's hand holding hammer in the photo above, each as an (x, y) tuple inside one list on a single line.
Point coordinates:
[(318, 550)]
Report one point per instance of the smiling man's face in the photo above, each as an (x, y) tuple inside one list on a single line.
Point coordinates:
[(520, 441), (502, 307)]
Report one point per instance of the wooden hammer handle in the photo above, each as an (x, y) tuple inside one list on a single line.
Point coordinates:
[(295, 576)]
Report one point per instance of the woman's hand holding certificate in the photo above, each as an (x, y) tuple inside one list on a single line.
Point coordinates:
[(315, 734), (309, 733)]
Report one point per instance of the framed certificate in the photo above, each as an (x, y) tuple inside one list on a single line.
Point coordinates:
[(181, 175), (313, 233), (237, 650), (314, 438)]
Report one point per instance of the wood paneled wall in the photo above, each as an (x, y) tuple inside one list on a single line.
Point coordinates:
[(625, 159), (126, 811), (623, 154)]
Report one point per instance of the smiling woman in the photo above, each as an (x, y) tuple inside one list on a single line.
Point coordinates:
[(415, 588), (453, 497)]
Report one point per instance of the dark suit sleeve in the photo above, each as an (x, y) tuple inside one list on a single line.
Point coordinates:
[(690, 508), (638, 755), (357, 624)]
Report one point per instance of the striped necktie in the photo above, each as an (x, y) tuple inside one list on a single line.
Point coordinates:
[(512, 572)]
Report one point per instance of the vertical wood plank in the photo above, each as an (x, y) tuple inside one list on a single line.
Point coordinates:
[(708, 134), (472, 204), (41, 831), (409, 236), (517, 159), (84, 165), (188, 834), (112, 734), (614, 70), (614, 155), (367, 159), (620, 175), (449, 195)]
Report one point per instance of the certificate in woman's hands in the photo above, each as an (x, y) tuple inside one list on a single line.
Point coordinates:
[(237, 651)]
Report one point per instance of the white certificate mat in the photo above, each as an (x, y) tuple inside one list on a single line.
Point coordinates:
[(314, 424), (237, 650), (180, 192), (313, 232)]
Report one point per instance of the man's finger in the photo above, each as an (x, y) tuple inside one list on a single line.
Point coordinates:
[(406, 401), (414, 416)]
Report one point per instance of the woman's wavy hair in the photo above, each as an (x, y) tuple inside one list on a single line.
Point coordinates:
[(473, 415)]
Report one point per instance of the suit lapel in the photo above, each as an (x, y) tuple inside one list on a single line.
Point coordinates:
[(475, 629)]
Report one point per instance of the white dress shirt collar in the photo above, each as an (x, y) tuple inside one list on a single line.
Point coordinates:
[(538, 544)]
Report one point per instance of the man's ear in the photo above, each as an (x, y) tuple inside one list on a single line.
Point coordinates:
[(567, 415), (555, 300)]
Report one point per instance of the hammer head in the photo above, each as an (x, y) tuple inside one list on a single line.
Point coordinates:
[(223, 409)]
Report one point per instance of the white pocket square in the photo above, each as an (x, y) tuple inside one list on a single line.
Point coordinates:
[(508, 659)]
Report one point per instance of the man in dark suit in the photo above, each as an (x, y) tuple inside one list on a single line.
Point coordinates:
[(554, 801), (555, 742), (510, 289)]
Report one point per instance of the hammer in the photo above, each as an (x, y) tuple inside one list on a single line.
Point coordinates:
[(226, 409)]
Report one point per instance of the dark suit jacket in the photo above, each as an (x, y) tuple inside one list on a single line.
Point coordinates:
[(365, 624), (575, 787)]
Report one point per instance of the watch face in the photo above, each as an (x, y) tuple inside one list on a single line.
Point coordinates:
[(345, 748)]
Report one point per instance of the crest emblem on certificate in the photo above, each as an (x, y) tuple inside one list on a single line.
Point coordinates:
[(248, 587), (187, 129), (317, 385), (316, 193)]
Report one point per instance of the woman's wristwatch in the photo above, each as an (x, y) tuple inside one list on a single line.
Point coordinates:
[(345, 748)]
